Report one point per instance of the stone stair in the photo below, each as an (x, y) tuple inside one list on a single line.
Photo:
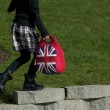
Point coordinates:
[(88, 97)]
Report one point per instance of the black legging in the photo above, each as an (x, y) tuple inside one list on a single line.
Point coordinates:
[(24, 58)]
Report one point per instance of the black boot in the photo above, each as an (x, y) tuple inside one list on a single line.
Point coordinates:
[(4, 77), (30, 84)]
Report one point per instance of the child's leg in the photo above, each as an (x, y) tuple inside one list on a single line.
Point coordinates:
[(29, 83), (5, 76)]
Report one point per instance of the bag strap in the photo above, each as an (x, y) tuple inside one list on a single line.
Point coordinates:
[(52, 40)]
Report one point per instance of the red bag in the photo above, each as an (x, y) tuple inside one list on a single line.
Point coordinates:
[(50, 57)]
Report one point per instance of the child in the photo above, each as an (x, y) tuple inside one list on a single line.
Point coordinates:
[(25, 41)]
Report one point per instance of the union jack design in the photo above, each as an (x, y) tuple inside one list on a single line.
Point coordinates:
[(46, 59)]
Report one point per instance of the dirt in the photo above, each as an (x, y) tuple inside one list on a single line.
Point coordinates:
[(3, 56)]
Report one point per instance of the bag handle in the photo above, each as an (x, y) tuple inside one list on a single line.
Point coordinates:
[(52, 38)]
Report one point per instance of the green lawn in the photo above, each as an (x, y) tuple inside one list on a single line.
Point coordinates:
[(83, 29)]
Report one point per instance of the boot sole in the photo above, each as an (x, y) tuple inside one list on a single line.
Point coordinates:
[(33, 89)]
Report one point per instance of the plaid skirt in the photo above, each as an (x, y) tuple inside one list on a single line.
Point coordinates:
[(24, 37)]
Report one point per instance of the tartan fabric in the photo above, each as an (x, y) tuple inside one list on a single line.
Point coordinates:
[(24, 37)]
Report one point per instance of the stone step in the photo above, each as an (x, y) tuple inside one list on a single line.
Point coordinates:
[(88, 91), (46, 95), (101, 104), (60, 105), (69, 105), (20, 107)]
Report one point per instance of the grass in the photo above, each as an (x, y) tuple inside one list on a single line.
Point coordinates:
[(83, 30)]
